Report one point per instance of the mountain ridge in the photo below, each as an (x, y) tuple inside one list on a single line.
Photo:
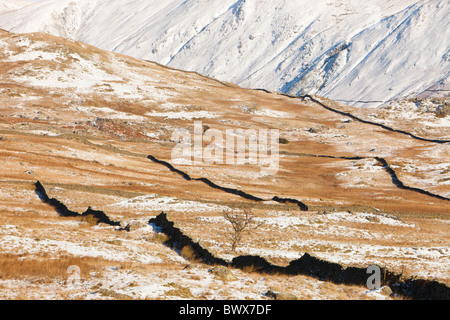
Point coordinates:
[(361, 54)]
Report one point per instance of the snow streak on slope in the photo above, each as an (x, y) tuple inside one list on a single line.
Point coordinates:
[(9, 5), (371, 51)]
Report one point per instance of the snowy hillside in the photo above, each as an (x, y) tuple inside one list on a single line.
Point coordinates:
[(9, 5), (349, 51)]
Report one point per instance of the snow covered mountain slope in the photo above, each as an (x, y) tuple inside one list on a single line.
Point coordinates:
[(361, 53), (9, 5)]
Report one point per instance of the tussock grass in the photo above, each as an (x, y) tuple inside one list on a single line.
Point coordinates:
[(189, 254), (17, 267), (90, 220), (179, 291)]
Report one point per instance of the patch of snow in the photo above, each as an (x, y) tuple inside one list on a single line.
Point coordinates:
[(161, 203), (184, 115)]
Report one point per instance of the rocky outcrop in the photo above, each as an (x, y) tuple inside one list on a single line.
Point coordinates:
[(223, 273), (280, 295), (442, 111)]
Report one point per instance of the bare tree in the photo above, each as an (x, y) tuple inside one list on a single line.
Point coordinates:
[(241, 223)]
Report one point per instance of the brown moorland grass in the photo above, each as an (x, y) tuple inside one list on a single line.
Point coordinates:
[(19, 267), (101, 162)]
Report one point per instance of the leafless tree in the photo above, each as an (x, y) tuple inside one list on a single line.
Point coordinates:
[(241, 224)]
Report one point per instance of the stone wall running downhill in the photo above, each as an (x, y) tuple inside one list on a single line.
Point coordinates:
[(63, 211), (178, 241), (303, 207), (306, 265), (240, 193), (401, 185), (347, 114)]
